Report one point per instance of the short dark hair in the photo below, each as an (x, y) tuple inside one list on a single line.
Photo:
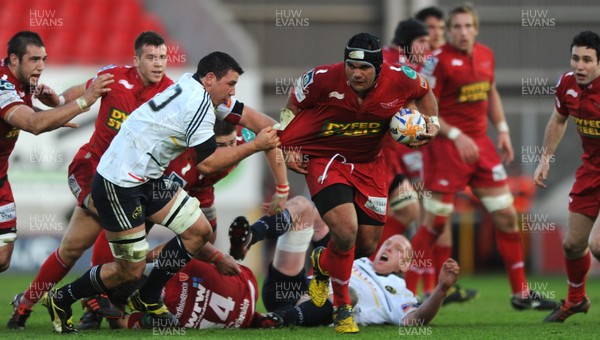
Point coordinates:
[(218, 63), (18, 44), (147, 38), (587, 39), (223, 128), (432, 11)]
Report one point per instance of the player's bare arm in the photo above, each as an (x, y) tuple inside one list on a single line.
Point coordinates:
[(224, 158), (555, 130), (496, 112), (255, 121), (25, 118), (427, 311)]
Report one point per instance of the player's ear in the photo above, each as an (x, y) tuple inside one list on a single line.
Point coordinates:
[(14, 59), (136, 60)]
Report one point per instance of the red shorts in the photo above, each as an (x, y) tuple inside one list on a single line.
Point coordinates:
[(81, 174), (369, 180), (445, 172), (8, 212), (411, 161), (585, 194)]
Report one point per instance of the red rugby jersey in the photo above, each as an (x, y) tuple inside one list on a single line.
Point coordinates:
[(461, 84), (200, 297), (12, 92), (127, 94), (331, 120), (583, 105)]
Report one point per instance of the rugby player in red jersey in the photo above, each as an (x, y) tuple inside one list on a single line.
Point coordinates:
[(132, 87), (577, 95), (341, 117), (19, 75), (462, 76)]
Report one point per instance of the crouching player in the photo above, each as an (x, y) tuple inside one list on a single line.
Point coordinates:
[(199, 296)]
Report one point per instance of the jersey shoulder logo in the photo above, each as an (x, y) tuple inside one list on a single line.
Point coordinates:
[(412, 74)]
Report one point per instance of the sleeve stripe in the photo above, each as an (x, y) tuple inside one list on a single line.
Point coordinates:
[(198, 117)]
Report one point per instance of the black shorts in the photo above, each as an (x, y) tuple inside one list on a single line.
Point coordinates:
[(280, 291), (125, 208), (338, 194)]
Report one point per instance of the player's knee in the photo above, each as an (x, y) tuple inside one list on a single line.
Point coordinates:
[(302, 203), (343, 241), (575, 249), (70, 252), (506, 219), (595, 248)]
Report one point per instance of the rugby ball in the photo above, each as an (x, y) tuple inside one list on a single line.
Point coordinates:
[(407, 125)]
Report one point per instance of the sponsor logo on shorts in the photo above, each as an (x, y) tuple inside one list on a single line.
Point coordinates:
[(137, 212), (74, 186), (8, 212), (498, 173), (376, 204)]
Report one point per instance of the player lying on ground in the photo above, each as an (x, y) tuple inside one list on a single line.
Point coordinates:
[(200, 297)]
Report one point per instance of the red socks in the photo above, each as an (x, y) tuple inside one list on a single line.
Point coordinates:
[(422, 241), (511, 251), (101, 253), (577, 270), (339, 266), (52, 271)]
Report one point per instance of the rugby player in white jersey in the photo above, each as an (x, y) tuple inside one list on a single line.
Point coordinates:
[(129, 188)]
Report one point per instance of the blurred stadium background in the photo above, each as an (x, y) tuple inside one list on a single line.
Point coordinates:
[(275, 42)]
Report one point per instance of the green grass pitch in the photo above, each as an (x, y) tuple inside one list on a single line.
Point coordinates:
[(488, 317)]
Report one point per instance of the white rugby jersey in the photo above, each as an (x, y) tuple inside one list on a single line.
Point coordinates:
[(381, 299), (157, 132)]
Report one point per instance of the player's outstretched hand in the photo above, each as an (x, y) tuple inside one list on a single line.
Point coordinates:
[(98, 88), (448, 274), (266, 139), (228, 266), (46, 95)]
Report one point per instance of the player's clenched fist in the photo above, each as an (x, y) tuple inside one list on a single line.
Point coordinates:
[(266, 139), (448, 274)]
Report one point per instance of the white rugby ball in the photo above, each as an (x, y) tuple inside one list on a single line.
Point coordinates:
[(407, 125)]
